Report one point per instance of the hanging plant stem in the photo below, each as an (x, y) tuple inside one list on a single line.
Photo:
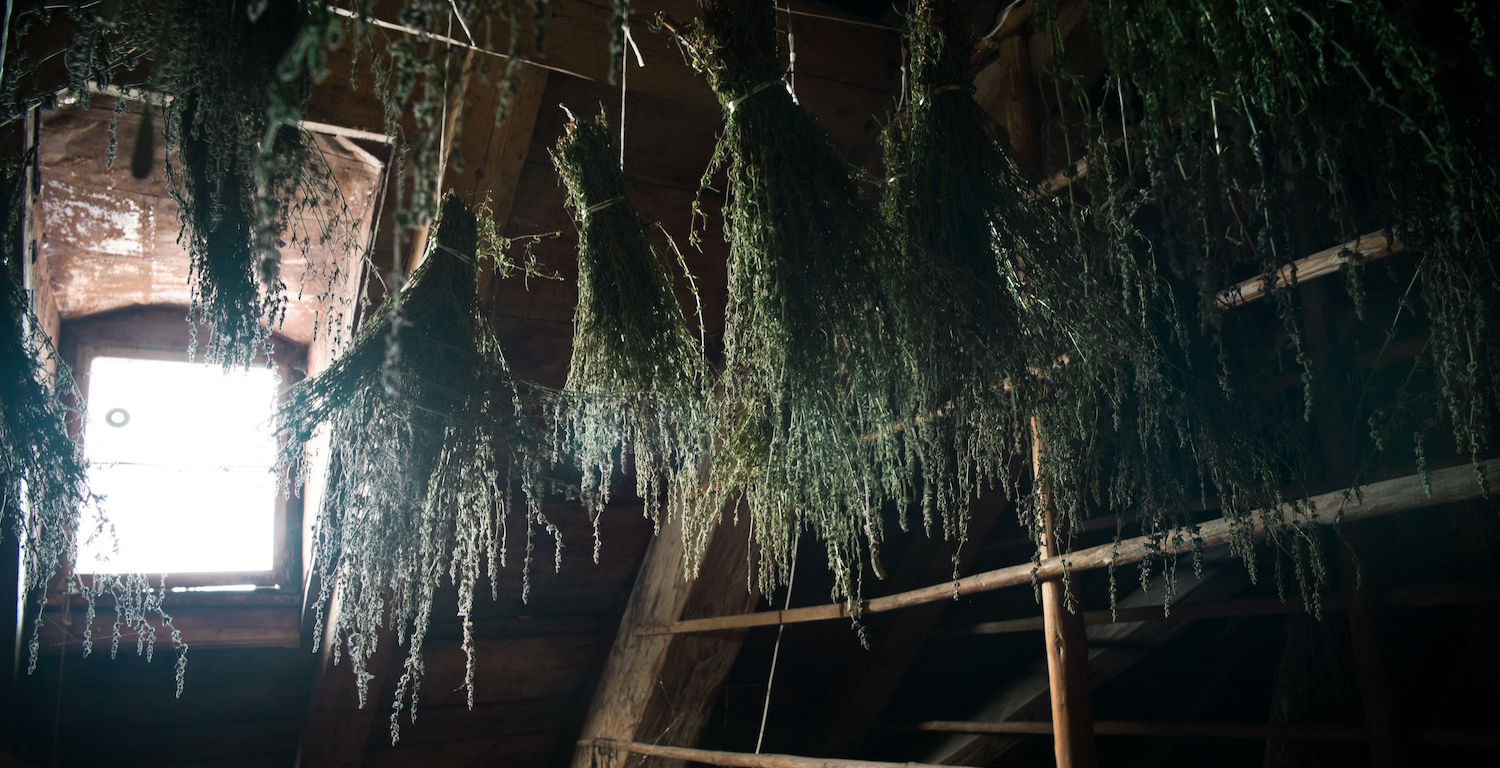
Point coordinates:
[(811, 364), (992, 285), (44, 475), (636, 382), (417, 409)]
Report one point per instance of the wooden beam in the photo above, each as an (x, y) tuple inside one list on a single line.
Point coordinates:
[(1006, 90), (1067, 645), (1469, 737), (337, 728), (1382, 498), (1364, 248), (1197, 730), (490, 156), (1423, 596), (869, 679), (740, 759), (1367, 640), (658, 687)]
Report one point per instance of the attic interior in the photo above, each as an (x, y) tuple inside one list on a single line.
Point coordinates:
[(961, 382)]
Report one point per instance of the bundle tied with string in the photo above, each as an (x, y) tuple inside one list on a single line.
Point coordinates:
[(1016, 323), (1268, 130), (811, 366), (636, 381), (430, 437), (231, 82), (990, 288), (44, 475)]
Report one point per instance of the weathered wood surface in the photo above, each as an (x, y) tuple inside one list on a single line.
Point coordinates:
[(336, 728), (740, 759), (1066, 641), (1382, 498), (1365, 248), (656, 687), (868, 680), (111, 241), (201, 627), (1114, 649)]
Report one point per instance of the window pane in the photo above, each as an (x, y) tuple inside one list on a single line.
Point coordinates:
[(182, 453)]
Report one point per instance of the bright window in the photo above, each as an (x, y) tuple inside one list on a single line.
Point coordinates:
[(182, 454)]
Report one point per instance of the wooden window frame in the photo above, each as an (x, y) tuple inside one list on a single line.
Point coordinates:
[(155, 333)]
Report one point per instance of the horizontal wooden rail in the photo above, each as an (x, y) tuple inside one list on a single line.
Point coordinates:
[(743, 759), (1201, 730), (1461, 737), (1416, 596), (1382, 498), (1325, 262)]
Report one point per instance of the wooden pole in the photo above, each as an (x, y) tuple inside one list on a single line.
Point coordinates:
[(1419, 596), (1250, 731), (1382, 498), (1368, 644), (740, 759), (1067, 644)]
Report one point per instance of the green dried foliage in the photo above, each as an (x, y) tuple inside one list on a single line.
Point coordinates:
[(989, 291), (812, 373), (44, 475), (1012, 313), (430, 439), (232, 83), (1266, 131), (637, 377)]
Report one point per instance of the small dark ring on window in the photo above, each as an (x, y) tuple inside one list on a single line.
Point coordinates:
[(117, 417)]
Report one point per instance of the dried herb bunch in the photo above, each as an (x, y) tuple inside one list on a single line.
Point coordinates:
[(1267, 131), (636, 382), (44, 475), (812, 373), (1011, 314), (430, 440), (232, 81), (990, 289)]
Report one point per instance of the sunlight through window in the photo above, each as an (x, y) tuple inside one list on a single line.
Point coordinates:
[(181, 454)]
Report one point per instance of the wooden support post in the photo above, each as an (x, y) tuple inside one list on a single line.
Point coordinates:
[(659, 687), (1005, 90), (1367, 641), (337, 728), (1067, 645)]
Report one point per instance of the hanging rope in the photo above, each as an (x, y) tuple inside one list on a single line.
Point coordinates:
[(776, 651)]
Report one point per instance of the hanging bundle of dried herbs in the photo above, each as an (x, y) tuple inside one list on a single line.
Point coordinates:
[(1014, 315), (232, 82), (1267, 131), (990, 279), (43, 473), (636, 382), (421, 410), (812, 373)]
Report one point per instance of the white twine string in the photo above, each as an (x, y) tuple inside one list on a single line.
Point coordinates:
[(734, 103)]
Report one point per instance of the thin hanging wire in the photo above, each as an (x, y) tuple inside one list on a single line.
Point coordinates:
[(776, 651)]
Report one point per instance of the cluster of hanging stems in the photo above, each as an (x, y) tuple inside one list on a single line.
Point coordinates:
[(892, 356)]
